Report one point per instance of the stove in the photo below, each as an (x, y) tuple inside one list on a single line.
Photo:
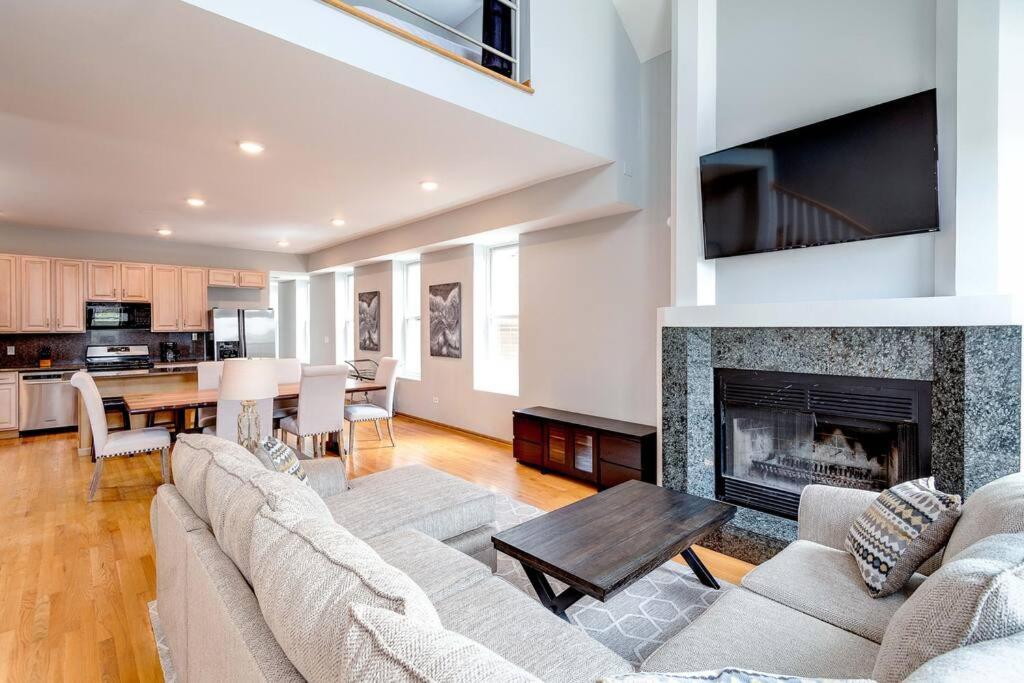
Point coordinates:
[(120, 360)]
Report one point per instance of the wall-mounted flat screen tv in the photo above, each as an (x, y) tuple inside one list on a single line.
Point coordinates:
[(871, 173)]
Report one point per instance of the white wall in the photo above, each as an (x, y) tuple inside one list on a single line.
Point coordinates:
[(321, 319), (286, 310), (373, 278), (781, 65)]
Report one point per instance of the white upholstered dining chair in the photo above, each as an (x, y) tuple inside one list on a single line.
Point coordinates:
[(127, 442), (320, 411), (380, 407), (209, 374)]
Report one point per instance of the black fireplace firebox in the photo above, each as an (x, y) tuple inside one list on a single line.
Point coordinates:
[(778, 432)]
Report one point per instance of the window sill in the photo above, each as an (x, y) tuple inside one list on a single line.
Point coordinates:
[(409, 376), (514, 393)]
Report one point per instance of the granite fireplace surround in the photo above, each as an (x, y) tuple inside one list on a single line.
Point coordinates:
[(975, 375)]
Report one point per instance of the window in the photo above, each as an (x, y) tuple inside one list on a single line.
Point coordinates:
[(409, 320), (498, 364), (344, 309)]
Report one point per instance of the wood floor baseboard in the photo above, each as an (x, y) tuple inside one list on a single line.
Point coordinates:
[(452, 428)]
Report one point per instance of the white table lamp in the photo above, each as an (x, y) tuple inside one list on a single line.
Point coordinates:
[(248, 381)]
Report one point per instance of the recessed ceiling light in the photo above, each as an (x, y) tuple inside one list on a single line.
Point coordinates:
[(337, 222), (164, 232), (283, 243), (429, 185), (250, 147), (195, 202)]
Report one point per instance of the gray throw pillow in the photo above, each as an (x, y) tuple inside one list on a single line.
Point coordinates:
[(902, 528), (277, 456), (977, 597)]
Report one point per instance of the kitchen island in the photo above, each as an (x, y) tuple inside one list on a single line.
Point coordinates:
[(161, 378)]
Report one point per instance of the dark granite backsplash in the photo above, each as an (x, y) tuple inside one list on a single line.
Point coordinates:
[(975, 375), (68, 349)]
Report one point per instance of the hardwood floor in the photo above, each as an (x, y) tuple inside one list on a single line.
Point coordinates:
[(75, 578)]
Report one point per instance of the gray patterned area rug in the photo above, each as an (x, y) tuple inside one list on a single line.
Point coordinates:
[(633, 624)]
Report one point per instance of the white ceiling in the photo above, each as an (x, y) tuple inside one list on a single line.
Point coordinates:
[(111, 114)]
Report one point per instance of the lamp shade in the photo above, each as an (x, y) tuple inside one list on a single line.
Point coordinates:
[(248, 379)]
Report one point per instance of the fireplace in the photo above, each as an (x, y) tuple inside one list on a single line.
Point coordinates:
[(778, 432)]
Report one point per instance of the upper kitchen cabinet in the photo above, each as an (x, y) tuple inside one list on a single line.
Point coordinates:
[(166, 313), (135, 281), (8, 293), (193, 300), (250, 279), (68, 296), (36, 300), (103, 281)]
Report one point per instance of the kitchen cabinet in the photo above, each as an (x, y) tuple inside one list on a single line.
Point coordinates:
[(8, 401), (193, 299), (166, 294), (8, 293), (135, 281), (36, 299), (68, 296), (220, 277), (103, 281), (252, 278), (585, 447)]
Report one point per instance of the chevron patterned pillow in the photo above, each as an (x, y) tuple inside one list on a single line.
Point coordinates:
[(906, 525)]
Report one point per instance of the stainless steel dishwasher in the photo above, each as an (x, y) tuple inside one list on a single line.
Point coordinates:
[(47, 400)]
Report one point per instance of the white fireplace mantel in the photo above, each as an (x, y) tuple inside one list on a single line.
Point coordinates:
[(938, 311)]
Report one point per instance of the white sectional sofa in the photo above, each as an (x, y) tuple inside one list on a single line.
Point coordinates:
[(241, 600)]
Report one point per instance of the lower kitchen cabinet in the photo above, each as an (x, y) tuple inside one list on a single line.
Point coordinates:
[(8, 401)]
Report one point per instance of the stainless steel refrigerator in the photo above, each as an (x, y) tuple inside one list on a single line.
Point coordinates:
[(242, 333)]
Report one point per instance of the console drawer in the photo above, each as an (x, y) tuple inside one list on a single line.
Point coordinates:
[(526, 428), (613, 475), (527, 451), (624, 452)]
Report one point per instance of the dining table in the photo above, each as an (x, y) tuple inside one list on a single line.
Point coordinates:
[(179, 402)]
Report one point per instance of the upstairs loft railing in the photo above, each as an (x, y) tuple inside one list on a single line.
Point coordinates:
[(497, 53)]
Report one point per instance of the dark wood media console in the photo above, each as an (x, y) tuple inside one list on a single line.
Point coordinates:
[(596, 449)]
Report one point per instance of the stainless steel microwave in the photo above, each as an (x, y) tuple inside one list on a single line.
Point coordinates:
[(114, 316)]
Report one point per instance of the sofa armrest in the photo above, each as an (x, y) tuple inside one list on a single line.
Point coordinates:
[(827, 513), (326, 476)]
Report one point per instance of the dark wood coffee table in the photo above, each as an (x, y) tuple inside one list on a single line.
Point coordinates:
[(603, 544)]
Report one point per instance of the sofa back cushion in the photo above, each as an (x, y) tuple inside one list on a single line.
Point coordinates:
[(384, 646), (236, 489), (307, 572), (190, 463), (995, 508), (979, 596)]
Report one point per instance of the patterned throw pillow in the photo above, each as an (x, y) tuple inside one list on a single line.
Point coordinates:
[(276, 455), (905, 526)]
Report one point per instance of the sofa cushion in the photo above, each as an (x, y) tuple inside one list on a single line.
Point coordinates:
[(978, 596), (278, 456), (236, 489), (436, 568), (995, 508), (744, 630), (826, 584), (991, 660), (414, 497), (306, 572), (903, 527), (190, 462), (504, 619), (383, 646), (730, 675)]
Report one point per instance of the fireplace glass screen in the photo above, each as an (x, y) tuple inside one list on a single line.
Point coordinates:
[(789, 450)]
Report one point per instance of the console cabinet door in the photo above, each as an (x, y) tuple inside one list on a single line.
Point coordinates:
[(166, 311), (8, 293), (558, 451), (36, 293), (584, 449), (193, 299), (103, 281), (135, 281), (68, 296)]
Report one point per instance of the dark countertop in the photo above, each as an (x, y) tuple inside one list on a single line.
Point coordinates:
[(179, 368)]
